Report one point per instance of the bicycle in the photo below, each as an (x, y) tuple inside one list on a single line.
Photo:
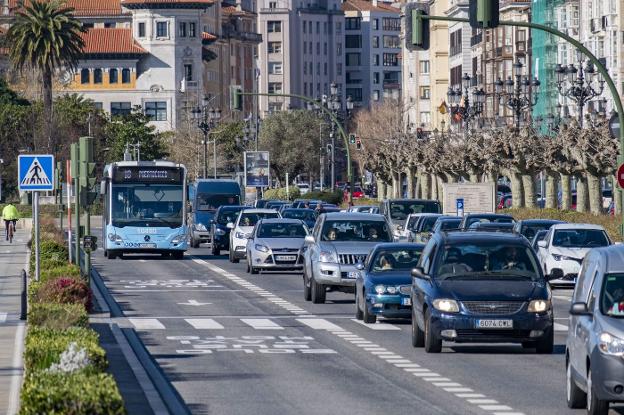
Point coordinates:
[(11, 230)]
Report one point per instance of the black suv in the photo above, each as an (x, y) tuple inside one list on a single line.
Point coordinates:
[(480, 287)]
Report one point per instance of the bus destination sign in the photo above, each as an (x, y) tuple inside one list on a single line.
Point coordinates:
[(148, 174)]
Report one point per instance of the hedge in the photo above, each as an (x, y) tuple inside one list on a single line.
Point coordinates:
[(44, 347), (66, 271), (77, 393), (64, 291), (280, 193), (52, 254), (336, 197), (58, 316)]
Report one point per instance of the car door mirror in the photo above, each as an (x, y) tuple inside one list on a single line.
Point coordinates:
[(580, 309), (359, 266), (555, 274), (419, 272), (542, 244), (230, 225), (309, 239)]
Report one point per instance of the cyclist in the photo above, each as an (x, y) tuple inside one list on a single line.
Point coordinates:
[(10, 215)]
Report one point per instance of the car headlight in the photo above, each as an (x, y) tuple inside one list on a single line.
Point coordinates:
[(262, 248), (446, 305), (178, 239), (240, 235), (380, 289), (200, 227), (539, 306), (113, 237), (561, 257), (327, 256), (391, 290), (609, 344), (219, 232)]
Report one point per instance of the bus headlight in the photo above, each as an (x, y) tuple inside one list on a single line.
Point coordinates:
[(113, 237), (178, 239)]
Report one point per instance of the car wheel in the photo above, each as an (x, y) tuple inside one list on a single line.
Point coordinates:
[(234, 260), (215, 251), (595, 406), (418, 336), (546, 344), (111, 255), (230, 256), (318, 292), (194, 243), (575, 396), (252, 269), (307, 291), (367, 316), (248, 270), (358, 311), (433, 344), (178, 254)]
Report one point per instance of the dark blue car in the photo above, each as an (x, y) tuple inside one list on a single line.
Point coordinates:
[(383, 283), (219, 229), (308, 216), (480, 287)]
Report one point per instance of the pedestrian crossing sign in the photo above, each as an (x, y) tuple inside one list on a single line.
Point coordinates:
[(36, 172)]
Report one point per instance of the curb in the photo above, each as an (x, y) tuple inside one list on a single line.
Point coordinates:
[(163, 397)]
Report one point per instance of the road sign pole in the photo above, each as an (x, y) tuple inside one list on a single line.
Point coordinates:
[(36, 225)]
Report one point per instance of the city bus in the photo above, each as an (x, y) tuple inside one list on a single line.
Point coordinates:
[(144, 208)]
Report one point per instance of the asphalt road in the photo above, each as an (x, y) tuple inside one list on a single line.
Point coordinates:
[(235, 343)]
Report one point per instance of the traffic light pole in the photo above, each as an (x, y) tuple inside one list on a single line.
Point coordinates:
[(601, 68), (335, 122)]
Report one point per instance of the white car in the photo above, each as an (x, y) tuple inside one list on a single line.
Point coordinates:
[(303, 188), (403, 233), (241, 230), (277, 245), (564, 247)]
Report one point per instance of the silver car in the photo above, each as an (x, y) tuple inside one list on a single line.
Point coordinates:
[(337, 244), (276, 244), (595, 342)]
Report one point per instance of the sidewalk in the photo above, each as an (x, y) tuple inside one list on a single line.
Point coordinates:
[(13, 258)]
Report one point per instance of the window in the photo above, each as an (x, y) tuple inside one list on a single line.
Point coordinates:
[(192, 29), (275, 106), (305, 47), (318, 48), (275, 87), (182, 31), (425, 117), (305, 88), (338, 49), (375, 95), (424, 67), (353, 41), (456, 75), (338, 28), (113, 75), (390, 59), (356, 93), (142, 29), (88, 25), (156, 110), (274, 26), (392, 23), (84, 76), (98, 105), (425, 92), (318, 28), (125, 76), (456, 43), (188, 72), (305, 67), (353, 23), (352, 59), (275, 47), (376, 60), (391, 42), (272, 5), (325, 68), (375, 41), (339, 69), (110, 25), (318, 68), (304, 27), (376, 27), (325, 48), (121, 108), (161, 29), (275, 68), (376, 78)]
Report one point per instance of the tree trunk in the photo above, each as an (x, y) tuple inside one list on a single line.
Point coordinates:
[(551, 191), (473, 177), (381, 190), (595, 194), (434, 187), (425, 186), (410, 182), (617, 196), (581, 194), (528, 185), (516, 190), (566, 192), (47, 109), (396, 179), (492, 177)]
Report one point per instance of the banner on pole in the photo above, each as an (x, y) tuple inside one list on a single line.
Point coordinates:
[(257, 168)]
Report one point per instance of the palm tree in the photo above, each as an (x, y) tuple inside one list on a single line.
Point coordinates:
[(45, 36)]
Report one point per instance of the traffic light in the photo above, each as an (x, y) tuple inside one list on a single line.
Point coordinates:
[(351, 138), (58, 176), (416, 28), (236, 98), (358, 143), (86, 172), (484, 14)]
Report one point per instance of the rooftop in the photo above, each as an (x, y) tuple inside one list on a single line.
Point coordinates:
[(366, 5), (111, 41), (167, 3), (85, 8)]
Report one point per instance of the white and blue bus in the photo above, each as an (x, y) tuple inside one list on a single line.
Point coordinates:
[(144, 208)]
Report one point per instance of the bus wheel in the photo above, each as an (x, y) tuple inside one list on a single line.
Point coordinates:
[(111, 255), (178, 254)]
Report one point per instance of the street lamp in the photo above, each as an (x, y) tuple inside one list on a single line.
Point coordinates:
[(580, 84), (460, 103), (206, 119), (519, 94)]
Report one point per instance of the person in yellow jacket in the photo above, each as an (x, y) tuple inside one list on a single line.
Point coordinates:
[(10, 215)]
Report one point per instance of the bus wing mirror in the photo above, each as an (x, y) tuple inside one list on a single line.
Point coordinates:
[(103, 187)]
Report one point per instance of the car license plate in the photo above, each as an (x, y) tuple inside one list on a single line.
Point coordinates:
[(147, 246), (352, 274), (286, 257), (494, 324), (406, 301)]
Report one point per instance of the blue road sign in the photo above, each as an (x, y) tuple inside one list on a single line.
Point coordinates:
[(460, 207), (36, 172)]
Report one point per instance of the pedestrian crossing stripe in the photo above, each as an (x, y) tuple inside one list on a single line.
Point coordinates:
[(36, 172)]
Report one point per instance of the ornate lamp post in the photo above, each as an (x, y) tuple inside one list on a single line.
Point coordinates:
[(580, 84), (460, 103), (206, 119), (518, 95)]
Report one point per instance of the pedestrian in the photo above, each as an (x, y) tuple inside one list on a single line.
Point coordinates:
[(9, 215)]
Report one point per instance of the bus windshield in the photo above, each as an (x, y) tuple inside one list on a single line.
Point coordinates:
[(147, 205)]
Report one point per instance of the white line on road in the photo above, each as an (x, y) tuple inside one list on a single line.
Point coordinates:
[(561, 327), (319, 324), (3, 317), (377, 326), (561, 297), (261, 324), (204, 323), (146, 324), (495, 407)]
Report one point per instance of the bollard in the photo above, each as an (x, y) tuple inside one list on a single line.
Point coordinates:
[(24, 310)]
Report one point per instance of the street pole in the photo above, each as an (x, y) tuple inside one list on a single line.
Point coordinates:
[(321, 172), (205, 154), (214, 141), (333, 160), (37, 251)]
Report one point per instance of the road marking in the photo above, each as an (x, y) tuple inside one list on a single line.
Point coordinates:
[(319, 324), (495, 407), (377, 326), (3, 317), (194, 303), (453, 390), (146, 324), (560, 297), (447, 384), (470, 395), (561, 327), (261, 324), (483, 401), (204, 323)]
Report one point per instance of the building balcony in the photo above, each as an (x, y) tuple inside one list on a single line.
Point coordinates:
[(232, 33), (476, 39), (274, 10), (391, 84)]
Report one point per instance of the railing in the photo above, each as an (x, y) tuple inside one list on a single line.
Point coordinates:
[(476, 39)]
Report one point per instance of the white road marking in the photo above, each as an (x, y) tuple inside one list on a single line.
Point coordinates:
[(377, 326), (194, 303), (447, 384), (561, 327), (470, 395), (453, 390), (146, 324), (3, 317), (319, 324), (261, 324), (495, 407), (483, 401), (204, 323), (561, 297)]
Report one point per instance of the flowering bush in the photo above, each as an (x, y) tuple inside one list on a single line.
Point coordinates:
[(65, 291)]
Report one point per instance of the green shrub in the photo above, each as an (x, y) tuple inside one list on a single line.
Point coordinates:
[(57, 316), (65, 291), (66, 271), (280, 193), (336, 197), (77, 393), (52, 254), (364, 201), (44, 347)]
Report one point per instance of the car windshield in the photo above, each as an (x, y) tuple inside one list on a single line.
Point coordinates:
[(488, 219), (486, 260), (300, 214), (147, 205), (365, 209), (356, 230), (579, 238), (395, 259), (226, 216), (210, 202), (529, 231), (250, 219), (448, 224), (612, 297), (401, 209), (281, 230), (426, 224)]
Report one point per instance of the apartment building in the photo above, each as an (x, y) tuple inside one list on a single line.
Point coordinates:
[(302, 51), (372, 51)]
